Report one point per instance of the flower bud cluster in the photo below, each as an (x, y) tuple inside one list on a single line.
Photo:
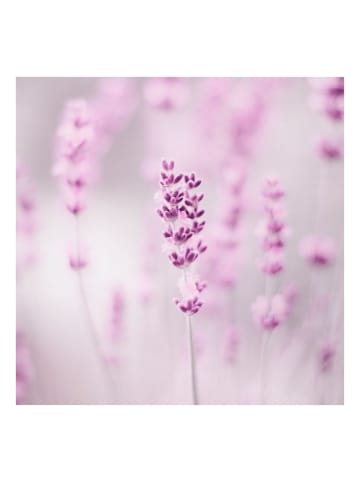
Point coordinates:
[(181, 210), (74, 164), (272, 229)]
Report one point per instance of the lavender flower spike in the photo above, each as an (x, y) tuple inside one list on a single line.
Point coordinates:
[(180, 210)]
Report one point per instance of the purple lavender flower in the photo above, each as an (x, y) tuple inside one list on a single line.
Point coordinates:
[(191, 306), (180, 209), (182, 212)]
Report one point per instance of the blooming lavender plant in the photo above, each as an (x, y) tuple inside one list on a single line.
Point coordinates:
[(75, 167), (271, 309), (180, 210), (74, 164)]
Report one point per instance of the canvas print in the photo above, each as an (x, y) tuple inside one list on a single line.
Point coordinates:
[(179, 241)]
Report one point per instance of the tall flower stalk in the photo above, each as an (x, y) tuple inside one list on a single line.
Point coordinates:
[(75, 167), (181, 212), (319, 250), (270, 310)]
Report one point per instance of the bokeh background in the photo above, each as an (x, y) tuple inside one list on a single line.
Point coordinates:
[(123, 235)]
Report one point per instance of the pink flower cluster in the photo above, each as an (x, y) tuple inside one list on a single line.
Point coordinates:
[(270, 312), (74, 163), (166, 93), (328, 96), (272, 229), (318, 251), (331, 149), (181, 211)]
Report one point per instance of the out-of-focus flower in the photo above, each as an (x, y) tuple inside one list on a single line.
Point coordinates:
[(272, 229), (272, 189), (78, 257), (318, 251), (326, 357), (270, 312), (113, 105), (74, 163), (328, 96), (272, 262), (331, 149), (244, 123), (167, 93), (222, 266)]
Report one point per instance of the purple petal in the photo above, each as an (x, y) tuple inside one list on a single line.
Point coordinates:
[(178, 178)]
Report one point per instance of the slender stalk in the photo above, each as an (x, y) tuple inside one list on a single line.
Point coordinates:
[(194, 389), (262, 366), (264, 347), (191, 351), (111, 384)]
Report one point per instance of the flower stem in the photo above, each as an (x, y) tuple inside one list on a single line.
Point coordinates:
[(262, 365), (111, 383), (194, 388)]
